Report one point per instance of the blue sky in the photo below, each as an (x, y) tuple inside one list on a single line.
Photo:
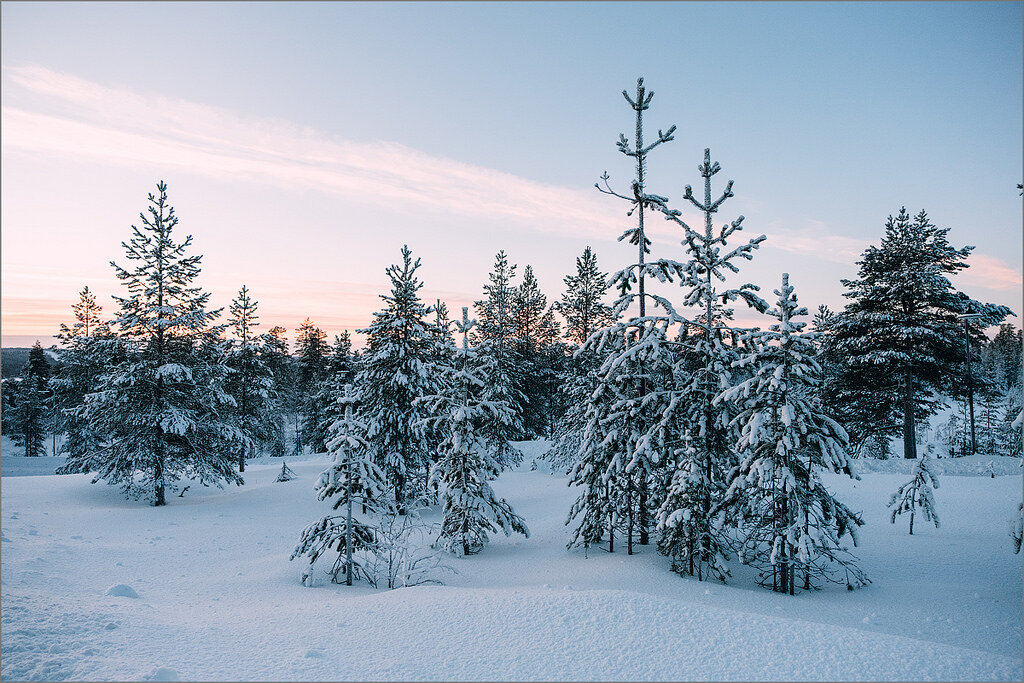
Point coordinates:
[(304, 143)]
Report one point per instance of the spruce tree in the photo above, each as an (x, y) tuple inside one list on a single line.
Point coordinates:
[(899, 340), (792, 523), (585, 313), (162, 409), (394, 373), (339, 373), (534, 332), (917, 493), (312, 350), (494, 334), (582, 305), (251, 382), (352, 478), (83, 358), (34, 400), (471, 509), (274, 351), (441, 360)]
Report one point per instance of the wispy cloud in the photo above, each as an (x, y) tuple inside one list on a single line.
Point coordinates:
[(815, 239), (990, 272), (47, 111)]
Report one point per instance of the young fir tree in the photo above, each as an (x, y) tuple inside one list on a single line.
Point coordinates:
[(618, 458), (792, 524), (917, 493), (692, 531), (163, 408), (471, 509), (251, 382), (531, 334), (34, 398), (82, 359), (582, 305), (352, 478), (898, 340), (494, 332), (394, 373), (274, 352), (442, 359), (339, 372), (585, 313), (312, 351)]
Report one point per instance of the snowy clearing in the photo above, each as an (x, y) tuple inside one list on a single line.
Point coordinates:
[(218, 599)]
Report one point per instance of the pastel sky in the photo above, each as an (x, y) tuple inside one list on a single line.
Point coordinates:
[(304, 143)]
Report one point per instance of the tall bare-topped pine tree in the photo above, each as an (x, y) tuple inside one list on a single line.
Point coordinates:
[(691, 534), (616, 463)]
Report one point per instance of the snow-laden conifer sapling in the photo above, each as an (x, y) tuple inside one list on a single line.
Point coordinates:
[(471, 509), (495, 340), (394, 372), (352, 477), (917, 493), (791, 524)]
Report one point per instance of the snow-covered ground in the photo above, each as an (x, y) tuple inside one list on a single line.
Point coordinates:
[(219, 600)]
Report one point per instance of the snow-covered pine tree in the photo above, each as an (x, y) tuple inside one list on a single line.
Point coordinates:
[(441, 359), (899, 340), (394, 372), (312, 350), (1009, 440), (551, 368), (791, 522), (274, 352), (82, 360), (251, 383), (494, 336), (162, 408), (582, 305), (618, 458), (531, 334), (353, 477), (710, 345), (33, 405), (339, 371), (917, 493), (585, 312), (286, 473), (471, 509)]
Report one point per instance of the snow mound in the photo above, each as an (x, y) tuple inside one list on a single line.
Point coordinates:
[(622, 635), (122, 590), (161, 674)]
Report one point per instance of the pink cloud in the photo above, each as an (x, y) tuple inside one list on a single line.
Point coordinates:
[(79, 117), (991, 273)]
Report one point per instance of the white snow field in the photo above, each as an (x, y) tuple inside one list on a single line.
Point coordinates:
[(96, 587)]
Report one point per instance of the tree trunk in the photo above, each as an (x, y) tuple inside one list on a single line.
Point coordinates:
[(909, 433), (158, 472), (348, 513), (645, 537)]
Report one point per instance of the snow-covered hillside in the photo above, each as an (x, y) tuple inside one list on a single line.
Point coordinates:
[(219, 600)]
